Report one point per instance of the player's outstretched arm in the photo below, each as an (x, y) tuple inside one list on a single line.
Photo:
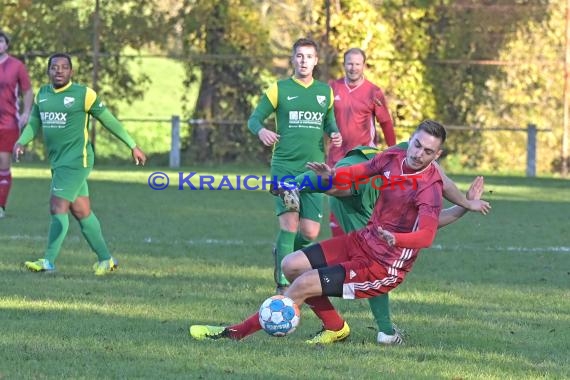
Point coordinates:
[(452, 214), (452, 193), (321, 169)]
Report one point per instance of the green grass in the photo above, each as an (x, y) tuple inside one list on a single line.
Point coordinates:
[(490, 300)]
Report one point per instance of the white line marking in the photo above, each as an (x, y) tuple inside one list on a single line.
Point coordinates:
[(228, 242)]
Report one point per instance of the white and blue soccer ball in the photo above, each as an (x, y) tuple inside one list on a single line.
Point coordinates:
[(279, 315)]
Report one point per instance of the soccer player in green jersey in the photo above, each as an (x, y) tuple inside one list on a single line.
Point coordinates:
[(62, 110), (353, 208), (303, 109)]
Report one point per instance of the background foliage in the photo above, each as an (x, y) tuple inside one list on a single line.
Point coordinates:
[(492, 64)]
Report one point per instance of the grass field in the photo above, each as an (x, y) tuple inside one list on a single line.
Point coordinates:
[(490, 300)]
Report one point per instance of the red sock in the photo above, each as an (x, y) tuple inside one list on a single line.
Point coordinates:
[(326, 312), (247, 327), (5, 184)]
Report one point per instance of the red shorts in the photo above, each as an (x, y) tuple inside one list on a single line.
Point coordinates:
[(364, 276), (8, 138)]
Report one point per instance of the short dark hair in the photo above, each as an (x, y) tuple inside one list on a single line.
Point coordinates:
[(433, 128), (354, 51), (59, 55), (305, 42), (6, 38)]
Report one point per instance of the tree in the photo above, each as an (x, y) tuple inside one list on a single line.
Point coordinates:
[(40, 28), (225, 43)]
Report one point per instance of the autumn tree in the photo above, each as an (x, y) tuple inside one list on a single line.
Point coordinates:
[(228, 54)]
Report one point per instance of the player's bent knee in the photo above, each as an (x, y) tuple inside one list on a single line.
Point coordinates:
[(294, 264), (307, 285)]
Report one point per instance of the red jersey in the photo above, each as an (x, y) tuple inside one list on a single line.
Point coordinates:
[(355, 110), (407, 199), (14, 80)]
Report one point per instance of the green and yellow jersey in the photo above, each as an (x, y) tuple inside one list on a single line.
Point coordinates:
[(63, 116), (302, 113)]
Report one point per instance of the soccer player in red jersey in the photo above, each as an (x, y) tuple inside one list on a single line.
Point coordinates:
[(370, 261), (14, 82), (357, 104)]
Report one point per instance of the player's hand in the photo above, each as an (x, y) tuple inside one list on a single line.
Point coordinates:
[(17, 152), (479, 205), (139, 156), (474, 196), (386, 235), (268, 137), (476, 189), (320, 168), (336, 139)]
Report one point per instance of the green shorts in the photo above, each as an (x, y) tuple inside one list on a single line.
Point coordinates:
[(311, 206), (311, 203), (69, 183)]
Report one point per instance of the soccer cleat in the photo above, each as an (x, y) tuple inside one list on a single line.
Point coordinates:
[(201, 332), (396, 338), (2, 212), (41, 265), (101, 268), (289, 195), (329, 336)]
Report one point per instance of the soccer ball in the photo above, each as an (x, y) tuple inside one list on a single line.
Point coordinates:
[(279, 315)]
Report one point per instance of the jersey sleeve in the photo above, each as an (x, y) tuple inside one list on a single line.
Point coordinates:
[(383, 117), (95, 107), (267, 105), (421, 238), (24, 78), (330, 120), (110, 122), (32, 129)]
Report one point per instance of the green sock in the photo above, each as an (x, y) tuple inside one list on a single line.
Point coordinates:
[(301, 241), (380, 306), (91, 230), (57, 230), (283, 247)]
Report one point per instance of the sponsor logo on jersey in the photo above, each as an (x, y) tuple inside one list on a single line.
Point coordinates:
[(352, 274), (387, 174), (42, 100), (292, 97), (306, 116), (322, 100), (68, 101), (53, 116), (337, 97)]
